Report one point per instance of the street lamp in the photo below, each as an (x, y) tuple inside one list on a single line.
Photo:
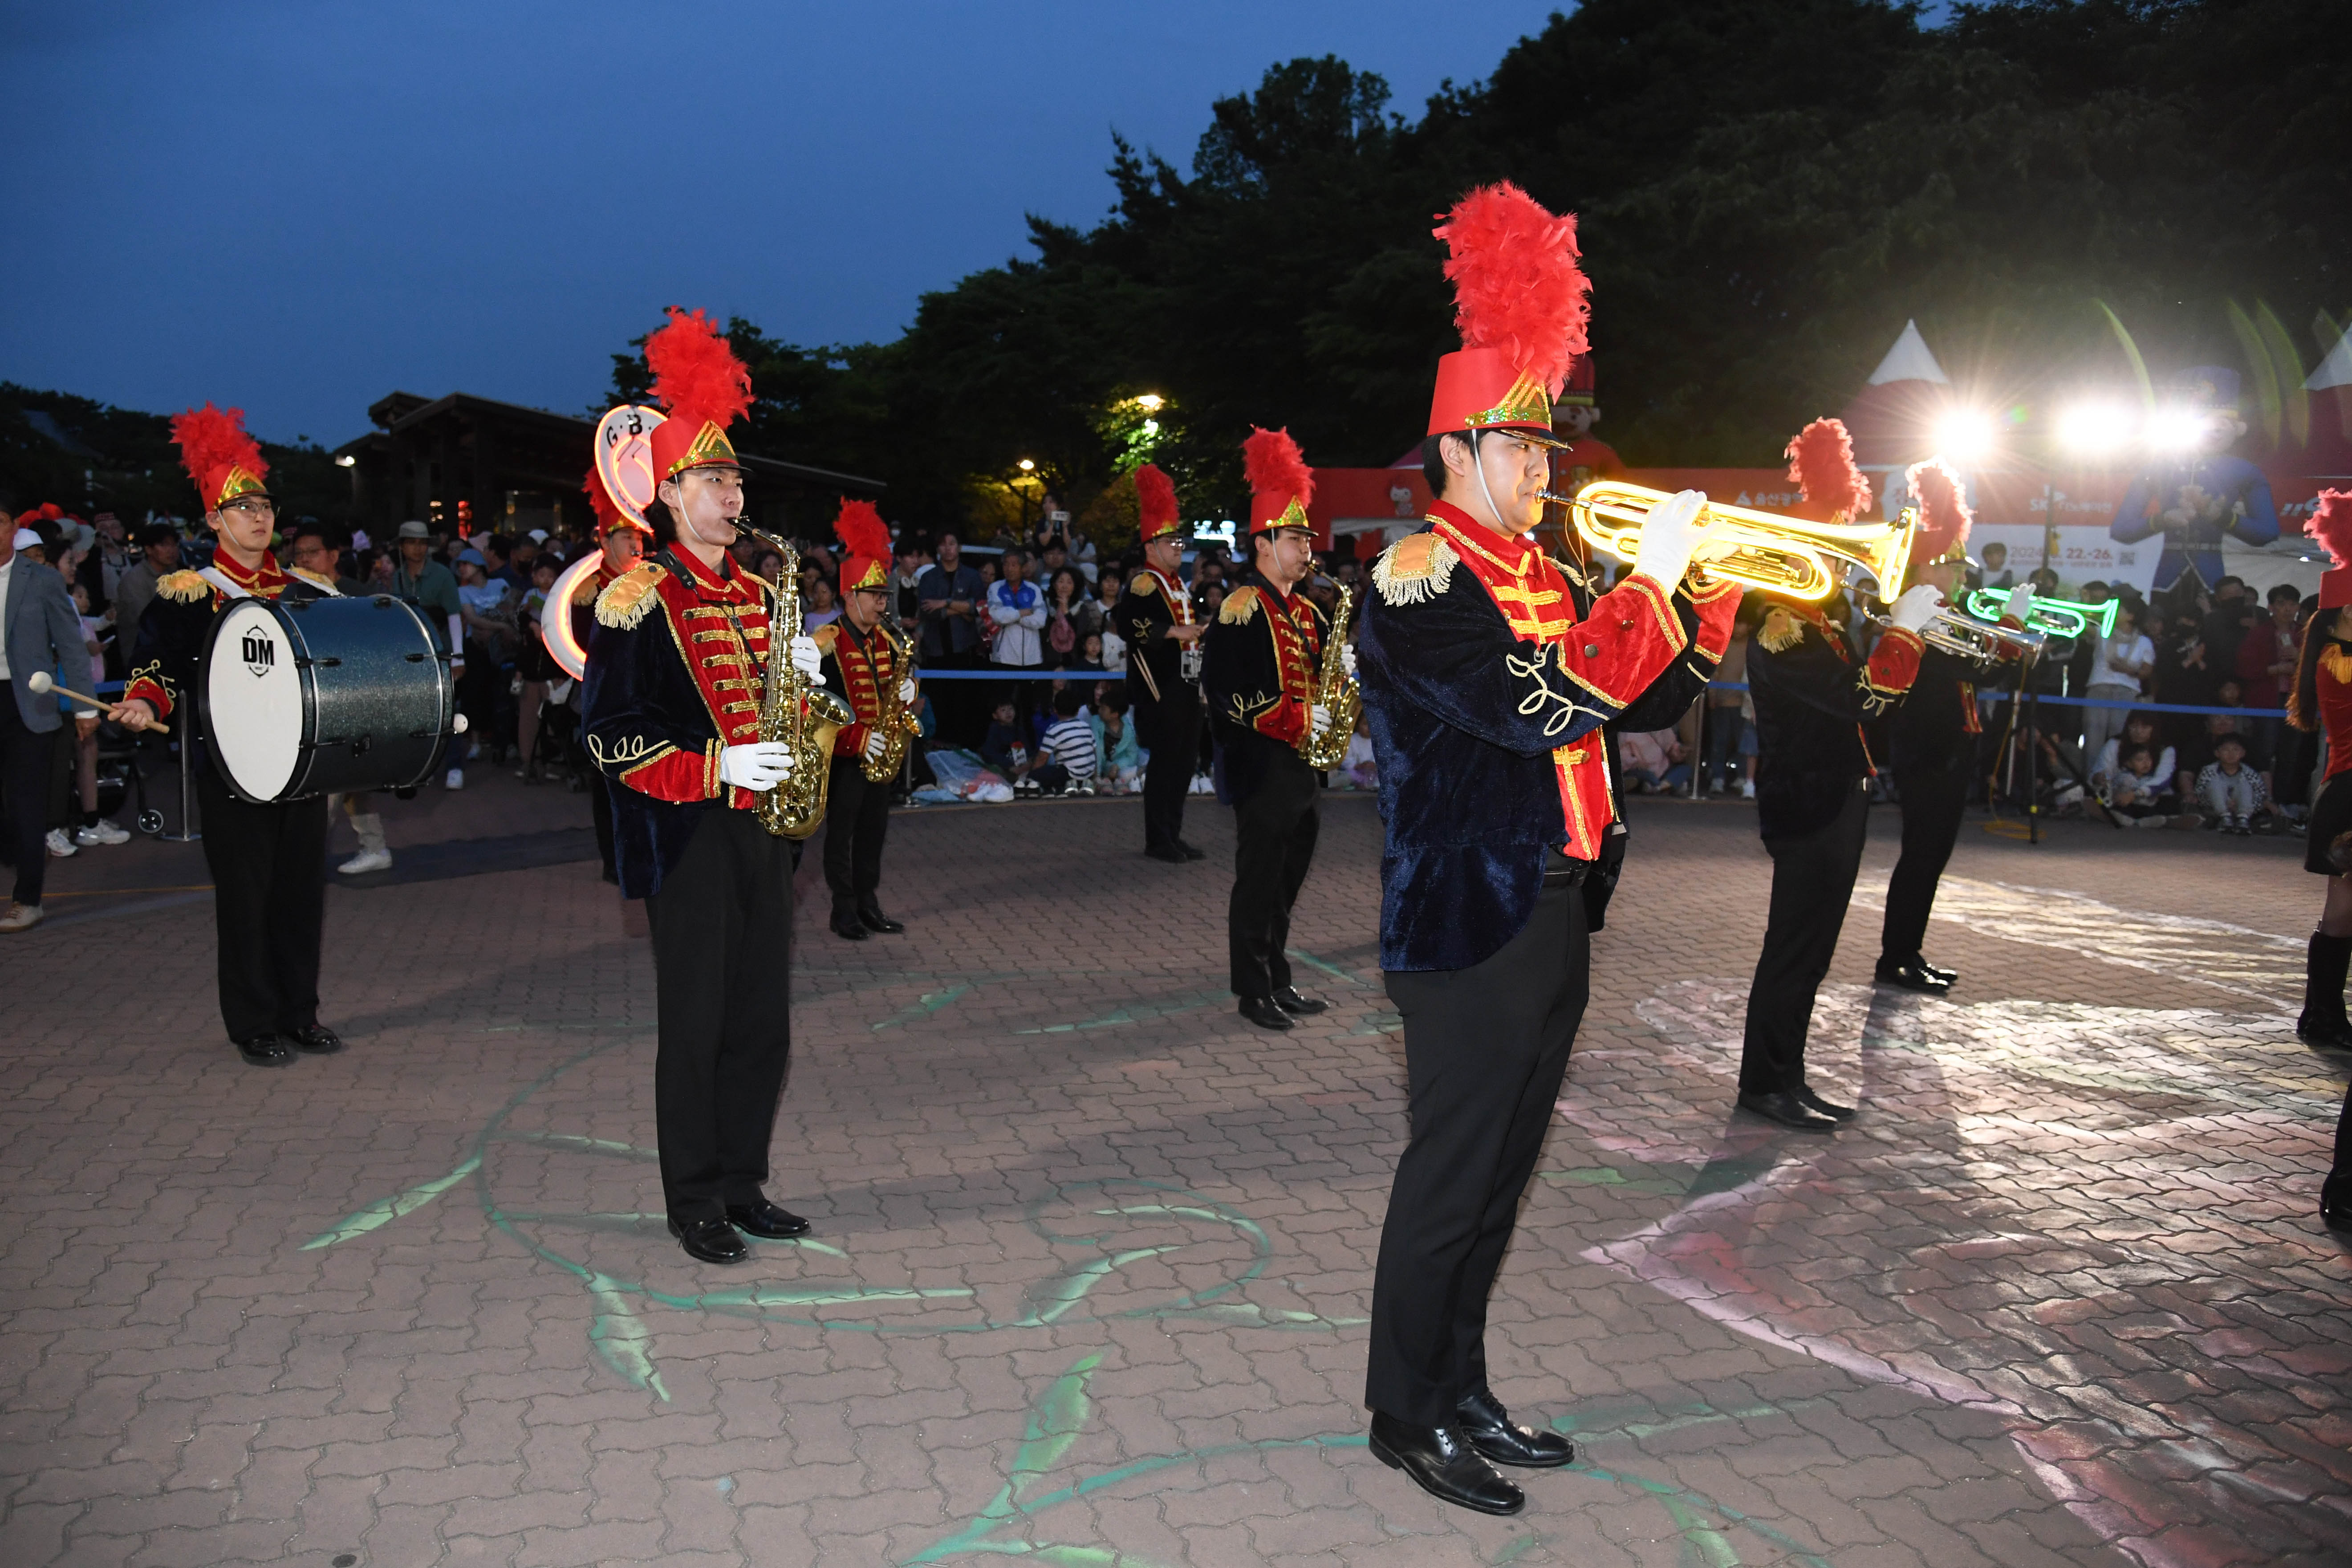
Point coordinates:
[(1150, 402), (1027, 466)]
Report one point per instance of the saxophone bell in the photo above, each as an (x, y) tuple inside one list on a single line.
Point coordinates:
[(1336, 691)]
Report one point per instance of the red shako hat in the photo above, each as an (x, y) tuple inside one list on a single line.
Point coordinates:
[(1580, 389), (703, 388), (1155, 502), (1821, 464), (2331, 524), (600, 501), (866, 542), (1944, 516), (219, 456), (1280, 482), (1520, 301)]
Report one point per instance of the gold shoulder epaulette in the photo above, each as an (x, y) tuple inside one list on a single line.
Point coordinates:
[(1142, 585), (825, 636), (2332, 660), (1416, 568), (629, 598), (311, 577), (183, 587), (584, 592), (1239, 606), (1780, 631)]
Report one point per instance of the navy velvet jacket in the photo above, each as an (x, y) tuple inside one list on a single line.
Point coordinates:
[(1474, 727), (1257, 676), (1812, 698)]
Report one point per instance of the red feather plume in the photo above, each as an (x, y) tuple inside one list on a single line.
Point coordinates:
[(1944, 516), (1821, 464), (1516, 286), (600, 501), (696, 376), (2331, 524), (862, 531), (212, 438), (1155, 497), (1274, 465)]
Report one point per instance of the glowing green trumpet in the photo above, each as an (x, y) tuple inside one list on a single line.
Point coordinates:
[(2058, 617)]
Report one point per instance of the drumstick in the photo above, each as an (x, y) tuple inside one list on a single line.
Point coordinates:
[(43, 683)]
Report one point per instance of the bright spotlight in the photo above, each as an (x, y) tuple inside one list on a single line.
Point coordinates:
[(1027, 466), (1964, 433), (2175, 431), (1150, 402), (2094, 429)]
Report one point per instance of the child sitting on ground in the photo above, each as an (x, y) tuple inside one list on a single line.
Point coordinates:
[(2230, 789), (2132, 787), (1066, 762), (1006, 751)]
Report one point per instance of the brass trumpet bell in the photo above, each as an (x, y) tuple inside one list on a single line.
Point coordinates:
[(1784, 556)]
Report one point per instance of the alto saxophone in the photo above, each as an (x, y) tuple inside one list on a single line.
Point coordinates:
[(895, 722), (1336, 692), (796, 710)]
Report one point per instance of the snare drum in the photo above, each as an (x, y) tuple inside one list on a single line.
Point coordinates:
[(309, 697)]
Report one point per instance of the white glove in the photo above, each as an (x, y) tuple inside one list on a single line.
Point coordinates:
[(2021, 604), (874, 743), (1669, 534), (1319, 717), (806, 656), (761, 765), (1917, 607), (1348, 658), (906, 692)]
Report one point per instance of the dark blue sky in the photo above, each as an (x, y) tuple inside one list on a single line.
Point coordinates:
[(295, 208)]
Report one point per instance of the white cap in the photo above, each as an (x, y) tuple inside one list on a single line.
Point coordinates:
[(25, 539)]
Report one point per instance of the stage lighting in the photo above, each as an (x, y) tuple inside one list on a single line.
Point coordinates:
[(2175, 431), (1964, 435), (2095, 429)]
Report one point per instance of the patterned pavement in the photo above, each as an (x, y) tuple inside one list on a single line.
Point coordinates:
[(1091, 1256)]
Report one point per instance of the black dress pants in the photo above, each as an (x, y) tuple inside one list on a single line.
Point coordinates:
[(1275, 831), (269, 901), (856, 819), (1813, 882), (1170, 725), (1934, 801), (1485, 1049), (723, 928), (600, 811), (24, 755)]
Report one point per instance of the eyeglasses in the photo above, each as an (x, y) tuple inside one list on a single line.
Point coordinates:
[(253, 506)]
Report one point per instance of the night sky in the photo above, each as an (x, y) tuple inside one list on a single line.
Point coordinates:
[(295, 209)]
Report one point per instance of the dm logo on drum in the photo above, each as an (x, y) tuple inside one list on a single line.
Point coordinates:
[(261, 654)]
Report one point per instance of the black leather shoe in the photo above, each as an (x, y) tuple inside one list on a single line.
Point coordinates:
[(1170, 853), (1481, 1419), (1826, 1108), (2325, 1034), (1289, 1000), (711, 1240), (1445, 1465), (317, 1040), (1938, 971), (1788, 1110), (1190, 853), (766, 1221), (265, 1051), (2336, 1203), (1264, 1012), (1912, 976), (875, 920), (849, 930)]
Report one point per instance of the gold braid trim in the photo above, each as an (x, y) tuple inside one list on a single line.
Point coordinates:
[(1414, 570), (183, 587), (630, 598), (1239, 606)]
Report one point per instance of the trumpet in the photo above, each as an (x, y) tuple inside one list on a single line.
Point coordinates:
[(1784, 556), (1970, 639), (2066, 618)]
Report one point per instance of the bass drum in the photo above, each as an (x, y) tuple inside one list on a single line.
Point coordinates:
[(307, 697)]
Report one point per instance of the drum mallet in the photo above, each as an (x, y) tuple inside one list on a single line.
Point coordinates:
[(42, 684)]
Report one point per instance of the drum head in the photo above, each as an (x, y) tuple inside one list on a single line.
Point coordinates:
[(253, 700)]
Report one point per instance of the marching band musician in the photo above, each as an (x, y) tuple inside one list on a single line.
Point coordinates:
[(620, 544), (1259, 669), (1813, 770), (1485, 696), (863, 666), (1154, 617), (268, 862), (2321, 700), (1932, 739), (674, 686)]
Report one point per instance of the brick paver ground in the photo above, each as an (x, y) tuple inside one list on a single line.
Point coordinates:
[(1091, 1255)]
